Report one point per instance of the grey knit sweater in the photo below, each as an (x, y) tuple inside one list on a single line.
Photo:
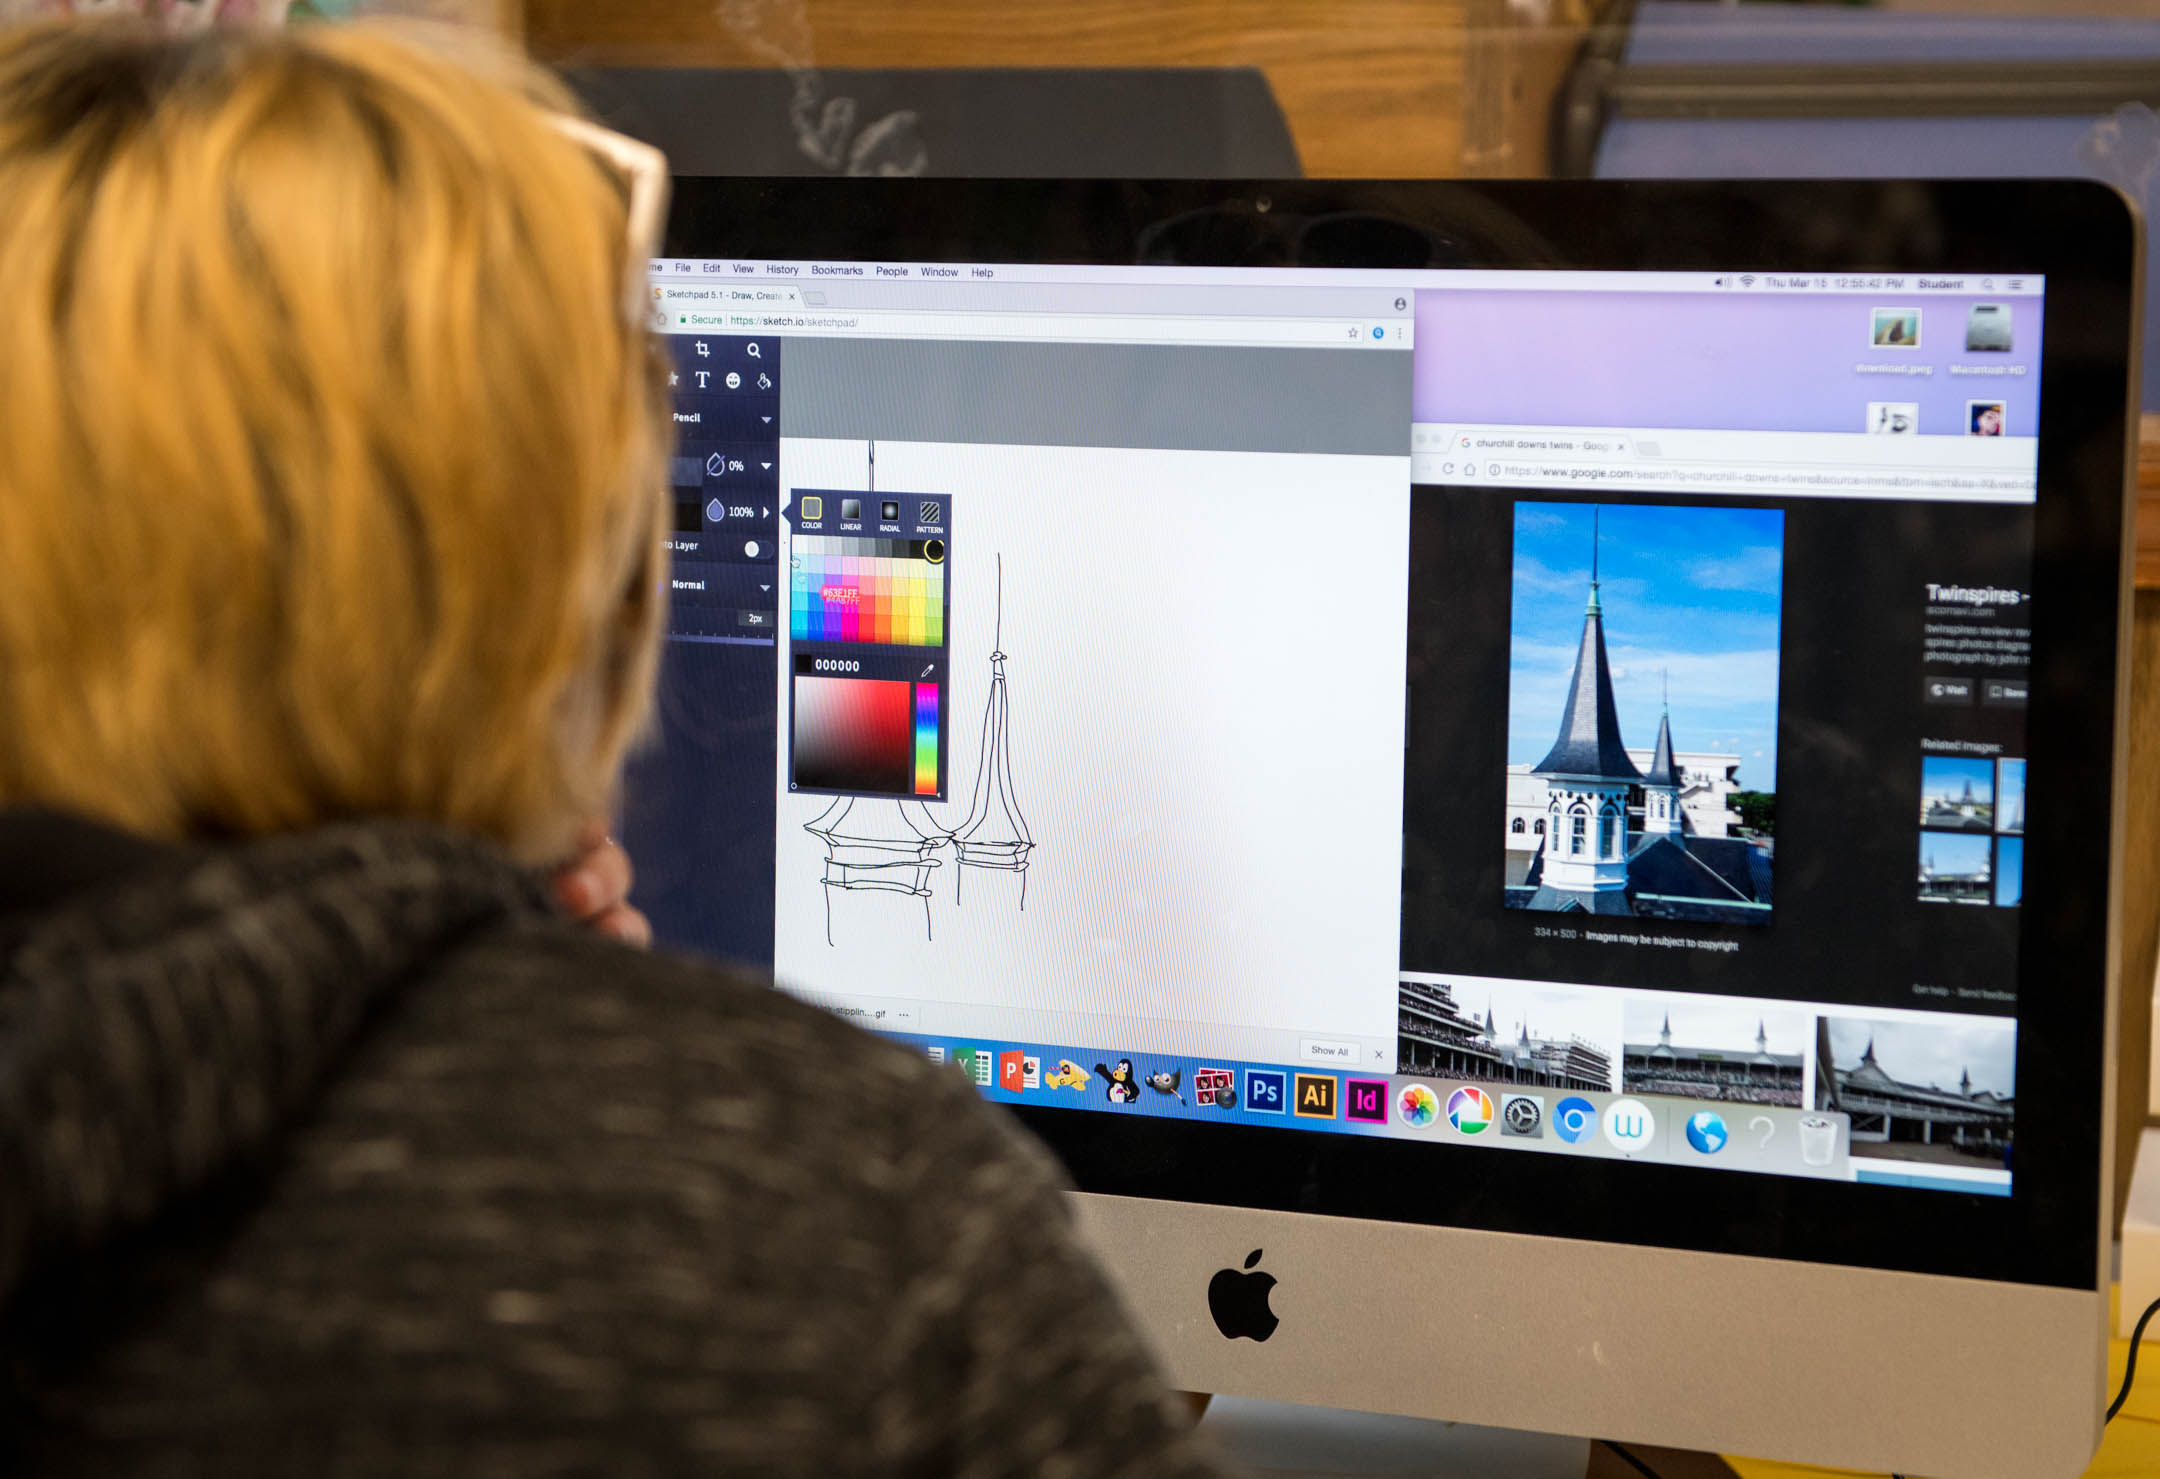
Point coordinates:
[(339, 1154)]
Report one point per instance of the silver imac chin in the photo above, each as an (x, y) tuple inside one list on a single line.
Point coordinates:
[(1844, 1367)]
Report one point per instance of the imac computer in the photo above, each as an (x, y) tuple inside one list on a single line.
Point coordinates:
[(1522, 781)]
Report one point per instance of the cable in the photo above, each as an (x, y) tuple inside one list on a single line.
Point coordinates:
[(1630, 1459), (2130, 1363)]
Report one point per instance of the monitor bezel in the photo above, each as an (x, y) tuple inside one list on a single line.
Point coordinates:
[(2086, 240)]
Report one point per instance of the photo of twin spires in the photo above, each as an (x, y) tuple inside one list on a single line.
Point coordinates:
[(1642, 711)]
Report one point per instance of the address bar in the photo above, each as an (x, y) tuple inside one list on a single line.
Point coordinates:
[(1053, 327), (1961, 484)]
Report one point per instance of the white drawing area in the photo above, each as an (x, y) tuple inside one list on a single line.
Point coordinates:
[(897, 847)]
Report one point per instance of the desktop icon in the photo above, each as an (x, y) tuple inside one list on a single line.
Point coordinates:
[(1893, 418), (1120, 1084), (1764, 1129), (1523, 1116), (1265, 1091), (851, 508), (1575, 1119), (1012, 1072), (1030, 1071), (1706, 1131), (1987, 328), (1470, 1109), (734, 381), (1216, 1088), (1239, 1300), (935, 1053), (978, 1064), (810, 506), (1418, 1105), (1894, 328), (930, 511), (1818, 1139), (1166, 1081), (1629, 1125), (889, 509), (1316, 1096), (1365, 1100), (1067, 1075)]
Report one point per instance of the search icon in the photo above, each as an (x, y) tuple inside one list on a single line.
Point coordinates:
[(754, 352)]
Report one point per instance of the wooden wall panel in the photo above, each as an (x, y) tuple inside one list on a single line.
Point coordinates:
[(1370, 87)]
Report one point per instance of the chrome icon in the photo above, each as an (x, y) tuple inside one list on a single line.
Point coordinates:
[(1470, 1109), (1575, 1119), (1418, 1106)]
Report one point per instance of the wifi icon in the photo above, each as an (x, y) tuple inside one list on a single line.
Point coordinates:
[(1747, 279)]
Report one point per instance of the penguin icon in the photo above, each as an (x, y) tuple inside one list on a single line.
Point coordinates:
[(1120, 1086), (1166, 1082)]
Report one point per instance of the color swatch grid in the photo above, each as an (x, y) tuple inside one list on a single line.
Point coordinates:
[(848, 589), (926, 739)]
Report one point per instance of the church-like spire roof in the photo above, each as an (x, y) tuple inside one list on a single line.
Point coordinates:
[(1661, 771), (1589, 743)]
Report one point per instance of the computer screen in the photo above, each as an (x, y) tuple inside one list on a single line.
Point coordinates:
[(1564, 714)]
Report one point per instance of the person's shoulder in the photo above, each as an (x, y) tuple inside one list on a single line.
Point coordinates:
[(554, 1010)]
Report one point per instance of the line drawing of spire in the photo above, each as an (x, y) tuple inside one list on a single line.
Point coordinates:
[(900, 863), (1007, 849), (899, 860)]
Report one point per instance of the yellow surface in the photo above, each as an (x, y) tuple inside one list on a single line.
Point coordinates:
[(2130, 1449)]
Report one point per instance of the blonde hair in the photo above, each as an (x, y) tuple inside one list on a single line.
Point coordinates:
[(331, 477)]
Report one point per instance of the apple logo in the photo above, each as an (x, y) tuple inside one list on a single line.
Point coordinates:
[(1239, 1302)]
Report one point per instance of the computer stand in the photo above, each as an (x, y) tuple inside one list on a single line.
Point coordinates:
[(1284, 1438)]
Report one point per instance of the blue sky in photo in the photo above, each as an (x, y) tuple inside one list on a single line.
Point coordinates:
[(2012, 809), (1692, 594), (1955, 852), (1943, 778), (2010, 871)]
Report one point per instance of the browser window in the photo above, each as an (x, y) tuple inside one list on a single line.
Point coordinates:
[(1362, 702)]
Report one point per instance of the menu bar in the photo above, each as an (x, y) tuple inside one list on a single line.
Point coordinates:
[(1736, 280)]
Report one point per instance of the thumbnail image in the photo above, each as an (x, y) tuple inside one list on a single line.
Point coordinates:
[(1957, 794), (1941, 1090), (1987, 328), (1955, 868), (1895, 328), (1506, 1032), (1985, 418), (1712, 1048), (2010, 796), (1893, 418), (2010, 872), (1638, 634)]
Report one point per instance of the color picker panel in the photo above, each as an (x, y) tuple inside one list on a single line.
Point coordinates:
[(926, 734), (843, 589), (852, 734)]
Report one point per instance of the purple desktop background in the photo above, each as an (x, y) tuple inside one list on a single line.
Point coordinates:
[(1737, 360)]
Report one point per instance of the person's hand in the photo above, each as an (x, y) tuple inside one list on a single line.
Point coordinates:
[(594, 888)]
